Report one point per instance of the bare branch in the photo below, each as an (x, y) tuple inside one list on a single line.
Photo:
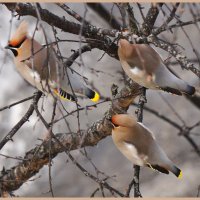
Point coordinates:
[(184, 131), (183, 61), (107, 16), (139, 113), (24, 119), (103, 39), (150, 19), (72, 13), (89, 31), (16, 103), (178, 24), (169, 19), (124, 16), (36, 158), (132, 20), (76, 54)]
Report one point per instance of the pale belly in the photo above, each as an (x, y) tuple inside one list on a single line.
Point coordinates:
[(140, 76)]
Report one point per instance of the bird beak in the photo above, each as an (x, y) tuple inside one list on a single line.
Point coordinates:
[(7, 47), (14, 50)]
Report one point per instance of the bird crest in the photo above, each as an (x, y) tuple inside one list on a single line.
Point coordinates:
[(20, 34)]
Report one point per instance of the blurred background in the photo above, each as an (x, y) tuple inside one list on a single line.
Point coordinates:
[(67, 179)]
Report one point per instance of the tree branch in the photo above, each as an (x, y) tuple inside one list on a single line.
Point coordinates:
[(132, 20), (150, 19), (88, 31), (16, 103), (107, 16), (37, 157), (184, 131), (169, 19), (24, 119), (72, 13)]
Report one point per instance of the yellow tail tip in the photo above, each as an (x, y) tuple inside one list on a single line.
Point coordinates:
[(96, 97), (180, 176)]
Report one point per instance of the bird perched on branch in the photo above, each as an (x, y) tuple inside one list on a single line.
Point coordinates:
[(42, 69), (144, 65), (137, 143)]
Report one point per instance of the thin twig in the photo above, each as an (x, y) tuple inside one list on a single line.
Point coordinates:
[(182, 59), (16, 103), (124, 15), (14, 177), (150, 19), (24, 119), (67, 151), (139, 113), (132, 20), (105, 14), (169, 19), (50, 150), (72, 13), (182, 130)]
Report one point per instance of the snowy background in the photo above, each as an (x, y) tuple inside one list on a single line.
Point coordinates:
[(67, 180)]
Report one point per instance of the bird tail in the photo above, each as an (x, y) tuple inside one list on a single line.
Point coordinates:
[(158, 168), (64, 95), (190, 90), (177, 172), (184, 87), (92, 95), (171, 90), (169, 82)]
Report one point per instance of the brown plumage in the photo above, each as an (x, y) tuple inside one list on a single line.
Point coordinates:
[(137, 143), (40, 67), (144, 65)]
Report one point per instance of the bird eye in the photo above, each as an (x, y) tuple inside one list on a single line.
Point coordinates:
[(14, 52)]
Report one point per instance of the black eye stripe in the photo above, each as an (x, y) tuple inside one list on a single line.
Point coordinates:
[(14, 52)]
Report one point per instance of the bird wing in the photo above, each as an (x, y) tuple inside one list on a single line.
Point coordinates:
[(145, 58), (148, 130), (157, 168), (41, 75), (144, 141), (41, 84)]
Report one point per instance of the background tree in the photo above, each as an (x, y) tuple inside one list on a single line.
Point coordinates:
[(33, 134)]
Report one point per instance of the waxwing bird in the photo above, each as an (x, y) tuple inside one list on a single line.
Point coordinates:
[(42, 69), (137, 143), (144, 65)]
